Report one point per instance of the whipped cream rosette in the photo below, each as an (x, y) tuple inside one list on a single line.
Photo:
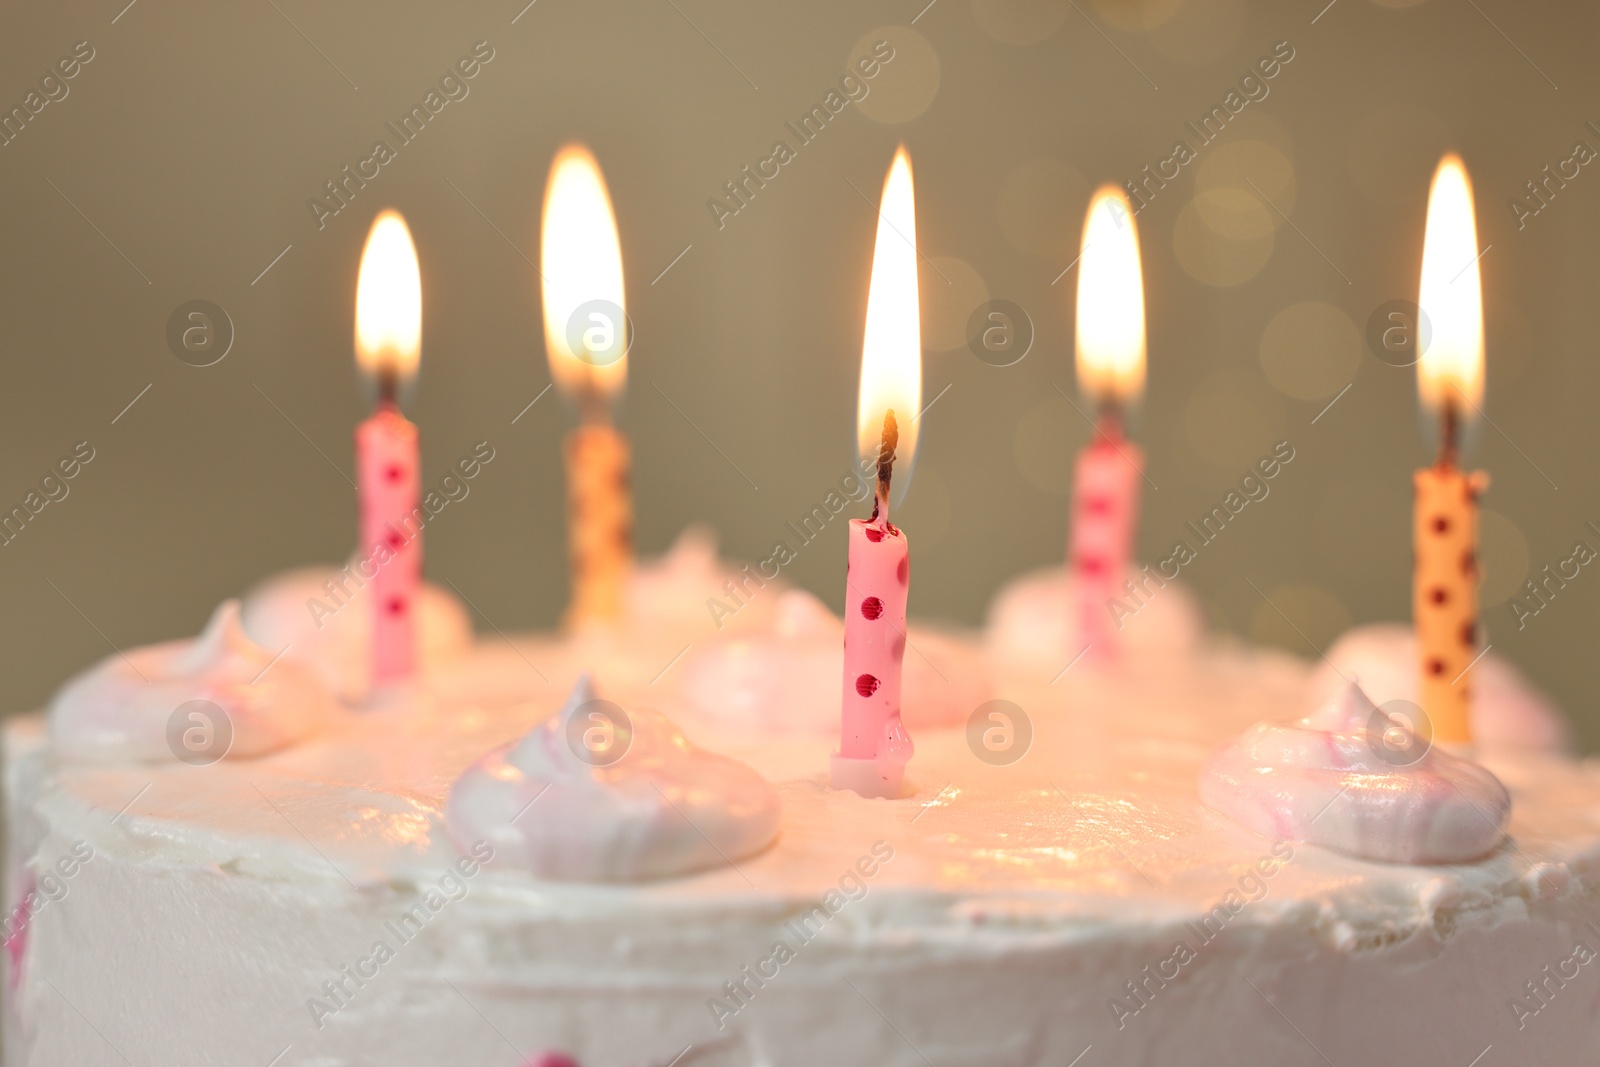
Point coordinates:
[(1353, 779), (597, 793), (199, 698)]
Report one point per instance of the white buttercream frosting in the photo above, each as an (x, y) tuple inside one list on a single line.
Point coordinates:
[(123, 708), (324, 620), (599, 794), (1089, 856), (783, 678), (1352, 779), (1507, 710)]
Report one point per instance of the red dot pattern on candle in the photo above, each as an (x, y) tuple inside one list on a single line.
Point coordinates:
[(386, 460), (1445, 595), (600, 521), (903, 572), (1105, 513), (874, 615)]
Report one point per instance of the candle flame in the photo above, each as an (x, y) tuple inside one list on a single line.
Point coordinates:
[(1451, 300), (1111, 337), (389, 300), (580, 259), (891, 350)]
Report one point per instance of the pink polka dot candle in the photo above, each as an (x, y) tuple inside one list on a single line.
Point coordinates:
[(1444, 600), (1111, 368), (388, 477), (873, 744)]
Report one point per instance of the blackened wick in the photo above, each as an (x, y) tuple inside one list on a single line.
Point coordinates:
[(891, 438)]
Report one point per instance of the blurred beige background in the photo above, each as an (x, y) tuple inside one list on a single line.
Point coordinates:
[(179, 162)]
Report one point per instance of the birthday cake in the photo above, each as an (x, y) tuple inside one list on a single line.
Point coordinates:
[(336, 828), (1081, 868)]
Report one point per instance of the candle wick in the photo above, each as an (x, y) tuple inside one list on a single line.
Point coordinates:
[(592, 407), (388, 387), (1108, 426), (1449, 434), (886, 447)]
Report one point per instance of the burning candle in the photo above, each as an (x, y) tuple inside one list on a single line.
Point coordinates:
[(873, 744), (1444, 600), (587, 337), (1110, 361), (388, 348)]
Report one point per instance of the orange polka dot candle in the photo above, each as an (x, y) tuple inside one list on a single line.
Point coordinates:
[(587, 336), (1111, 368), (388, 346), (1444, 602), (874, 747), (599, 521)]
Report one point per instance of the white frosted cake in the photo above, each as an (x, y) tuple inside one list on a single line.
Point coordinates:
[(367, 885)]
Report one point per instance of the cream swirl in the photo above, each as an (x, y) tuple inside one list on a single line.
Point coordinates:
[(125, 707), (1351, 779), (599, 794), (1033, 630), (324, 619), (782, 677), (668, 596), (1508, 711)]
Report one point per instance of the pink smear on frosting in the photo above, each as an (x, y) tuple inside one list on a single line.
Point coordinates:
[(1350, 779), (17, 941)]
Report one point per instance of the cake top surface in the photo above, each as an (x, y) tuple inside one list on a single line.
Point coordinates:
[(1097, 823)]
